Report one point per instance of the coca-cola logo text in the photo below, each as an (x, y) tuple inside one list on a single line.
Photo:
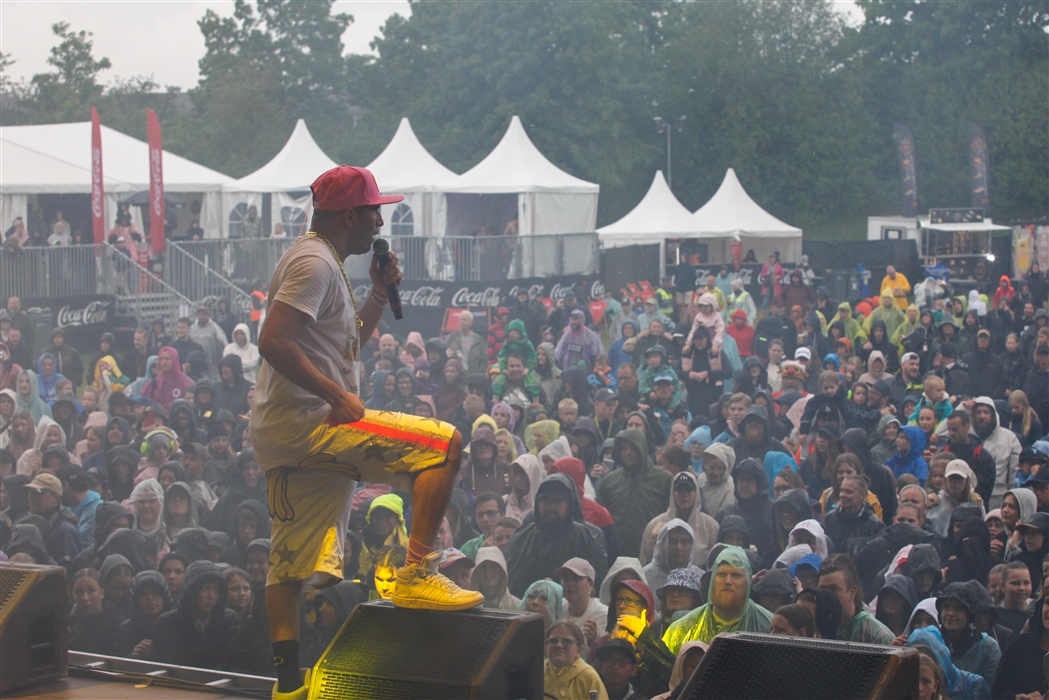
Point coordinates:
[(465, 297), (95, 312)]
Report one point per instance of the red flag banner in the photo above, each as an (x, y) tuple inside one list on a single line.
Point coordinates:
[(98, 200), (156, 182)]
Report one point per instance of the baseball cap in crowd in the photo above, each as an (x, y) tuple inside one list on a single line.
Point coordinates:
[(451, 556), (1032, 455), (983, 331), (739, 313), (579, 567), (958, 467), (907, 357), (803, 352), (605, 394), (346, 187), (616, 646), (949, 351), (684, 479), (45, 482), (1039, 477), (663, 377), (788, 399), (76, 477)]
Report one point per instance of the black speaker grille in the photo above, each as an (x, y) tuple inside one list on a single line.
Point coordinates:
[(758, 666), (370, 658), (10, 581)]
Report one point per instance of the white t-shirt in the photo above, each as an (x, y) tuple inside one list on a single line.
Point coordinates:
[(284, 415)]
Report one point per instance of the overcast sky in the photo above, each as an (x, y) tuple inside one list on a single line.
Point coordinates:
[(160, 38), (148, 37)]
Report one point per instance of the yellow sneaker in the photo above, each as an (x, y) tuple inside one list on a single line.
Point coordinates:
[(300, 694), (420, 586)]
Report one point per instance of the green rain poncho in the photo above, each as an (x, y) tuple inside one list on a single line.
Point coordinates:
[(701, 625)]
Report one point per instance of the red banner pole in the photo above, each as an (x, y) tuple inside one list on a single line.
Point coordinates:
[(156, 182), (98, 200)]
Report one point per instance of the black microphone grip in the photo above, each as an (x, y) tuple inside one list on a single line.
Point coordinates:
[(381, 247)]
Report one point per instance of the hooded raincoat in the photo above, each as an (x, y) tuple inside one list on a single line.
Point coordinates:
[(539, 548), (32, 402), (248, 353), (704, 528), (702, 624), (633, 497), (177, 639), (657, 570), (502, 599), (519, 507)]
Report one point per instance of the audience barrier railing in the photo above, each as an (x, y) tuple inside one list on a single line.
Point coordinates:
[(193, 278), (249, 262), (62, 272)]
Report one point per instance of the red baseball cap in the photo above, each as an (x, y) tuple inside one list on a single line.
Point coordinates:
[(347, 187)]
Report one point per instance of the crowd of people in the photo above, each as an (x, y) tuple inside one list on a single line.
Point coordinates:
[(697, 462)]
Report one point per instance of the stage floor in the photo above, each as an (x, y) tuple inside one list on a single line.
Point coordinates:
[(97, 689)]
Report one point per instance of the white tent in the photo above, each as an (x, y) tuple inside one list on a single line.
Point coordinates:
[(287, 177), (56, 159), (658, 216), (732, 215), (519, 182), (406, 167)]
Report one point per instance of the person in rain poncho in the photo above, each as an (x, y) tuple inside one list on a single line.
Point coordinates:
[(716, 488), (27, 389), (728, 608), (578, 344), (540, 434), (147, 504), (385, 528), (490, 578), (246, 350), (961, 685), (172, 383), (526, 473), (635, 492), (684, 504), (708, 316), (673, 550), (557, 534), (546, 598), (622, 569), (910, 442), (565, 674), (47, 377)]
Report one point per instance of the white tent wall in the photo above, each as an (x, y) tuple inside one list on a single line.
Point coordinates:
[(234, 207), (13, 206), (211, 215), (556, 212), (293, 213)]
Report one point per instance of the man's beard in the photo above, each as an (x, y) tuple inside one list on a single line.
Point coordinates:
[(984, 429)]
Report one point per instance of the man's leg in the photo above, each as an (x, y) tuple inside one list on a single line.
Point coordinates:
[(282, 609), (431, 493), (419, 585)]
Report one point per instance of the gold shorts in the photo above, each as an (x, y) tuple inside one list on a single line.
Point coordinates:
[(309, 502)]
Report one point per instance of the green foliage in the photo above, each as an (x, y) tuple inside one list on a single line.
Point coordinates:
[(800, 104)]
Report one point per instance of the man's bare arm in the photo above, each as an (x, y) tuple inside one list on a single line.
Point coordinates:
[(278, 346)]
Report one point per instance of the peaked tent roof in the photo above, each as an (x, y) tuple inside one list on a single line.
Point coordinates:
[(731, 212), (406, 166), (658, 214), (516, 165), (125, 159), (293, 169), (25, 171)]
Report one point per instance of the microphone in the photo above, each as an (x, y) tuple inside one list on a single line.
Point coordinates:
[(381, 247)]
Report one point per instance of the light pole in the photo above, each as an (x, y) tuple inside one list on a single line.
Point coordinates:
[(667, 126)]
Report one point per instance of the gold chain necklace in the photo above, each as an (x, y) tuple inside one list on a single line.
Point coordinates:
[(349, 288)]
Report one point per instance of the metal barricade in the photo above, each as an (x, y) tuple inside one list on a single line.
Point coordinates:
[(194, 279), (57, 271), (247, 262)]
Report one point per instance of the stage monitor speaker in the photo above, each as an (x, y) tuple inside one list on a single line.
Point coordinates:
[(34, 632), (743, 665), (387, 652)]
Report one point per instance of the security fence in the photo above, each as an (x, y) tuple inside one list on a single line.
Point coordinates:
[(195, 279), (89, 270), (440, 258)]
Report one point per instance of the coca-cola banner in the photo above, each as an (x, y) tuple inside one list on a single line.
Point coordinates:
[(84, 319), (425, 301)]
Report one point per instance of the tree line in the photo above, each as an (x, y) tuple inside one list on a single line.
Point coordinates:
[(799, 101)]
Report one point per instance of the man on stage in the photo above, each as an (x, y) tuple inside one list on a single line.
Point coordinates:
[(312, 435)]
